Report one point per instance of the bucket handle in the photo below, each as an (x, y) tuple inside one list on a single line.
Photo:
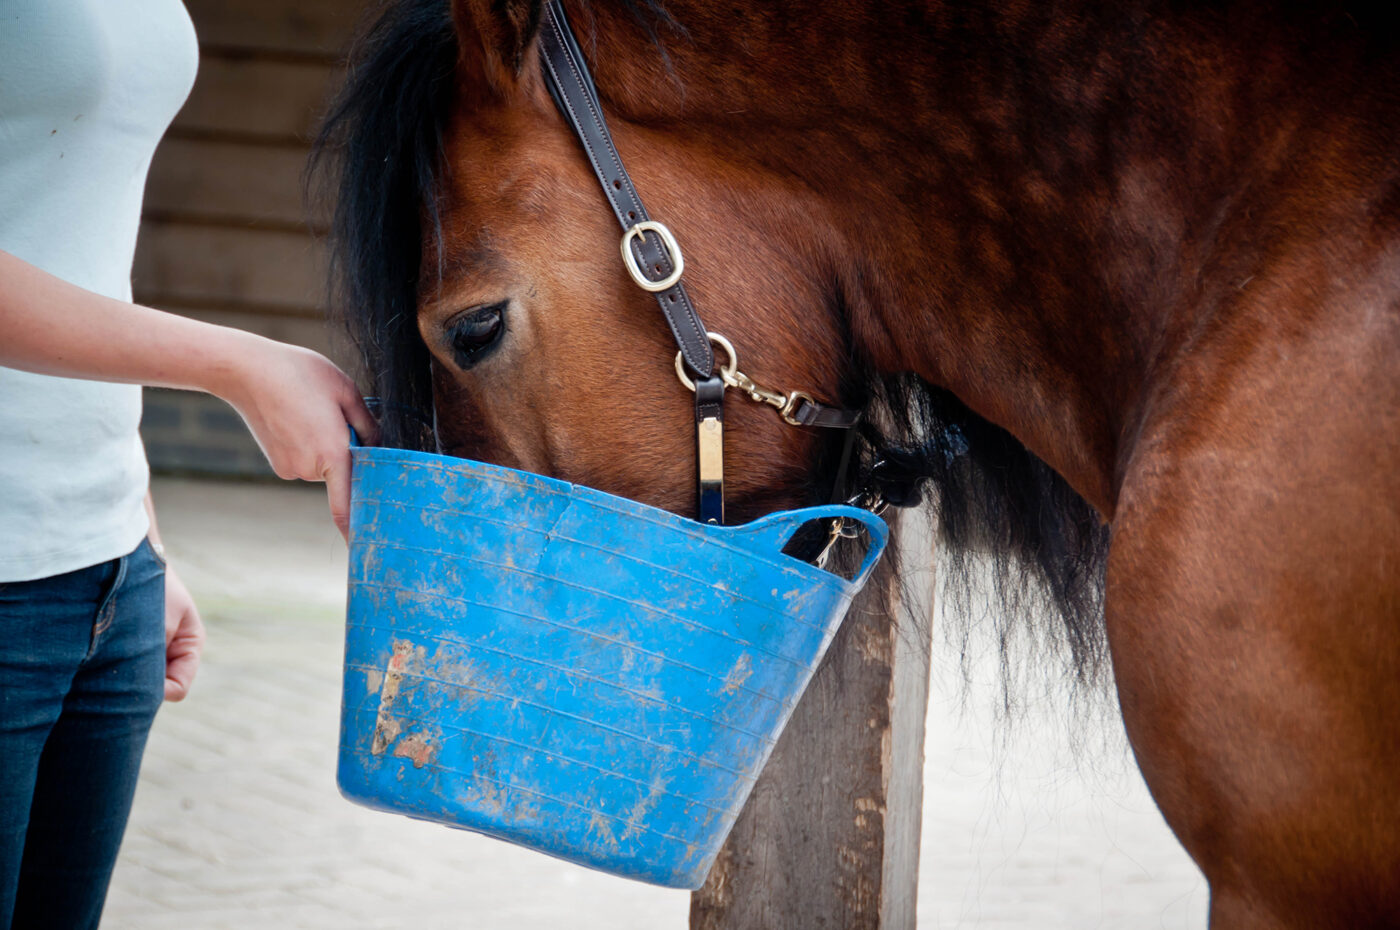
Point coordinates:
[(774, 531)]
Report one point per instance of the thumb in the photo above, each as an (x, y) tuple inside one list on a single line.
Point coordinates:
[(359, 417)]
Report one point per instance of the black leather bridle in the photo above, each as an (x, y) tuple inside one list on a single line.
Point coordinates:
[(654, 261)]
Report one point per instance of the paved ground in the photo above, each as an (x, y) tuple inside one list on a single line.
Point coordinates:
[(238, 823)]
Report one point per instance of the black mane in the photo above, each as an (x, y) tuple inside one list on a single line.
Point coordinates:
[(379, 152), (1009, 528), (1004, 517)]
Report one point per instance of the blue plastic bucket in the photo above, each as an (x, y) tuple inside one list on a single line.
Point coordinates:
[(571, 671)]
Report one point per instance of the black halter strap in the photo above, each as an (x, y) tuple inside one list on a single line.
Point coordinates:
[(651, 255), (573, 90), (654, 261)]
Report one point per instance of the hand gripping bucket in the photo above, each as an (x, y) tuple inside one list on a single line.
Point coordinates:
[(571, 671)]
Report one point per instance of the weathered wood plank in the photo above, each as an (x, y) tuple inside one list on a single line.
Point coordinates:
[(903, 751), (273, 100), (228, 181), (830, 835), (228, 267), (306, 27)]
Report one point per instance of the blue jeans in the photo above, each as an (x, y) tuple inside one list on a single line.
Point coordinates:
[(82, 673)]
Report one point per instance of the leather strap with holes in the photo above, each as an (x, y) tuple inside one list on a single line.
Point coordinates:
[(574, 93)]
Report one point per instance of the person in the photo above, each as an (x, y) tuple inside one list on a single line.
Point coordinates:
[(94, 628)]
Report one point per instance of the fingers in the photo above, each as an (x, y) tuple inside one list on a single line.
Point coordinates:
[(180, 668), (358, 416), (337, 478), (184, 640), (301, 426)]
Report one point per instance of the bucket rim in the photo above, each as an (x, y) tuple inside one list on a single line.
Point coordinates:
[(771, 530)]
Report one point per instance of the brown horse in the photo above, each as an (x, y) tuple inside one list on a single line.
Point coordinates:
[(1131, 265)]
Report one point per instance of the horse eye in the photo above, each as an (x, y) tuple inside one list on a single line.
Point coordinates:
[(475, 333)]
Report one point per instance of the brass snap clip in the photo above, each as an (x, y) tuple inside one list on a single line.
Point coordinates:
[(787, 404)]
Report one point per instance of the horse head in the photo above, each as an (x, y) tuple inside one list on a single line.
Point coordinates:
[(543, 353), (480, 271)]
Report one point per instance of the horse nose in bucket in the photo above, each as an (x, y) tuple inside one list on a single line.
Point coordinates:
[(567, 670)]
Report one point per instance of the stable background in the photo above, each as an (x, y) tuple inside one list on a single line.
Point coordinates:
[(1040, 821)]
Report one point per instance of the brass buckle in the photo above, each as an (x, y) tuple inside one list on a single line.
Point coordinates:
[(668, 241)]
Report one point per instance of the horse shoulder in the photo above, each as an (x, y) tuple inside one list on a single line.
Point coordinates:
[(1253, 598)]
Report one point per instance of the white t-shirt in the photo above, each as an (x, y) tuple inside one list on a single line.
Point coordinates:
[(87, 88)]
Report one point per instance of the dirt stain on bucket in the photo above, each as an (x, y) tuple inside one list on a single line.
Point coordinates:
[(417, 747), (637, 816), (601, 826), (386, 726), (741, 672)]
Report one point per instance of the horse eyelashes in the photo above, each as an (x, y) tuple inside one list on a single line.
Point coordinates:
[(476, 333)]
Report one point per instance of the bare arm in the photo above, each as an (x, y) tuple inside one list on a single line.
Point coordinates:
[(296, 402)]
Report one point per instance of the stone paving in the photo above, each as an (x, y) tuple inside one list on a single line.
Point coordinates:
[(238, 822)]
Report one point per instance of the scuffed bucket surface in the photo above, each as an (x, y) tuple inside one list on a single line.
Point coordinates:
[(575, 672)]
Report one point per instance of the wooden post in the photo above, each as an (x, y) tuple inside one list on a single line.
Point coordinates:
[(830, 835)]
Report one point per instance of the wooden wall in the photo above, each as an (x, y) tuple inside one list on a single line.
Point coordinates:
[(225, 235)]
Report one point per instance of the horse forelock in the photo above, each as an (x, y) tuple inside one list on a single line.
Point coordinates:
[(378, 155)]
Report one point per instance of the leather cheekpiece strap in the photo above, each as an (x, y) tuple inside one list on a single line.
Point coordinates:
[(572, 88), (652, 265)]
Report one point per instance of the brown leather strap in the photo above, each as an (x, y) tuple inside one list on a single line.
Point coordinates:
[(810, 413), (574, 93), (576, 96)]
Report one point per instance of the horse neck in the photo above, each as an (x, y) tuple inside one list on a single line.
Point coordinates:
[(1012, 201)]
